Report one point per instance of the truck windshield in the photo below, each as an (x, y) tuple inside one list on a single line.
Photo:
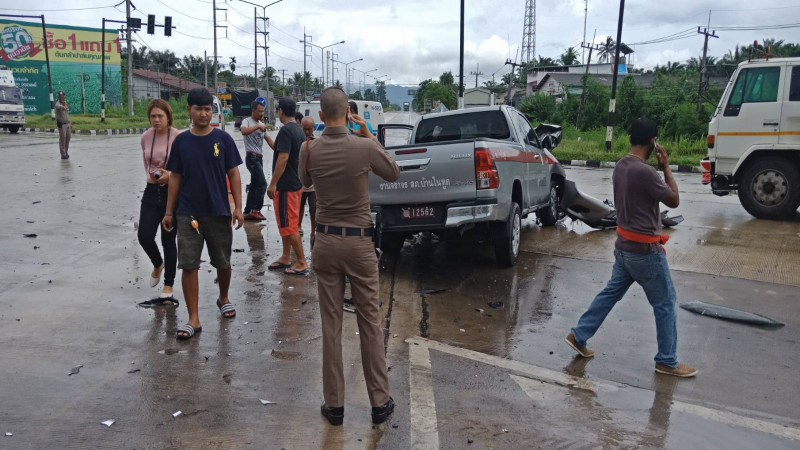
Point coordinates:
[(10, 95), (483, 124)]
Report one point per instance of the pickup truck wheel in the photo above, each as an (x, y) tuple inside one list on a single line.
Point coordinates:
[(506, 248), (550, 214), (769, 188), (392, 243), (13, 129)]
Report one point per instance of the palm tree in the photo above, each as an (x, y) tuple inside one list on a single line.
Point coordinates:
[(607, 50), (569, 57), (544, 61)]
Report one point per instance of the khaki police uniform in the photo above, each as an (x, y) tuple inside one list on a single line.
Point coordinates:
[(337, 164)]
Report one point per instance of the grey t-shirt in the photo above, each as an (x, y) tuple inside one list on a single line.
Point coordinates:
[(253, 142), (638, 190)]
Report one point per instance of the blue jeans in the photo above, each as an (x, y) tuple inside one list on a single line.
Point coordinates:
[(258, 183), (652, 273)]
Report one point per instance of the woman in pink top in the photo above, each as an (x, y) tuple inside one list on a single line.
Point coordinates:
[(156, 145)]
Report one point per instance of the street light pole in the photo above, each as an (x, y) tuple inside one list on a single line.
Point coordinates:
[(265, 21), (347, 73), (322, 57), (364, 78)]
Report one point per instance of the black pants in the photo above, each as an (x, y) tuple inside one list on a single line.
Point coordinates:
[(154, 204)]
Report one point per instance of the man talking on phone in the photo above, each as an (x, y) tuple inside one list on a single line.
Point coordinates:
[(639, 254)]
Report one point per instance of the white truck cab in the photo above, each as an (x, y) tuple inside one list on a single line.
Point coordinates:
[(12, 108), (372, 112), (754, 138)]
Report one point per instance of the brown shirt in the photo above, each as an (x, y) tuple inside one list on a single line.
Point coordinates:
[(62, 112), (638, 190), (337, 164)]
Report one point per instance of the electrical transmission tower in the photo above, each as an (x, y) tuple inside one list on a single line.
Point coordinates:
[(529, 32)]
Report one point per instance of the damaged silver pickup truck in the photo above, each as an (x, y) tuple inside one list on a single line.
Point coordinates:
[(478, 170)]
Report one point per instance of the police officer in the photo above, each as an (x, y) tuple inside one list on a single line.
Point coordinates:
[(337, 164)]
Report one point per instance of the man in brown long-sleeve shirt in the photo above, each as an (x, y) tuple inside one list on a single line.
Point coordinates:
[(337, 164), (64, 125)]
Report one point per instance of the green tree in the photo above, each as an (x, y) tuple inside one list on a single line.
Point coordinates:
[(369, 95), (381, 93), (356, 96), (539, 107), (569, 57), (447, 79), (607, 50)]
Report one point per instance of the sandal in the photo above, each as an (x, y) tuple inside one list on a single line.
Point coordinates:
[(226, 309), (277, 265), (158, 301), (292, 271), (188, 332)]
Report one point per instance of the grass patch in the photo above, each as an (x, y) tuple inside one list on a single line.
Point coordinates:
[(591, 146), (116, 118)]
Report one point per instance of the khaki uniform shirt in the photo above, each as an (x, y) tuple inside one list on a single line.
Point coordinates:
[(62, 112), (337, 164)]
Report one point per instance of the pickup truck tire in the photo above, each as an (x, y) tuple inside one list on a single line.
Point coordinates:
[(506, 248), (552, 212), (769, 188), (13, 129), (392, 243)]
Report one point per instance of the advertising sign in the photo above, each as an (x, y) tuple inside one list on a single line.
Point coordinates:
[(75, 61)]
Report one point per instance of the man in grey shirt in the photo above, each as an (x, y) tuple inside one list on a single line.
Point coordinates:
[(255, 132), (63, 123)]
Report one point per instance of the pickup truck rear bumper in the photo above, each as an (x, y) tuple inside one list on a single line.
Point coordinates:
[(453, 215)]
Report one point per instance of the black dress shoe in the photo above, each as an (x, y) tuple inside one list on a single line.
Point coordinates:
[(335, 415), (381, 413)]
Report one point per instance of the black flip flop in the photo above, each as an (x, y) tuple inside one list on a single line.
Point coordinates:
[(189, 330), (158, 301), (279, 266), (226, 308)]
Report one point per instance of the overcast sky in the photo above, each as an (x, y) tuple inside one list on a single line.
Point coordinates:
[(412, 40)]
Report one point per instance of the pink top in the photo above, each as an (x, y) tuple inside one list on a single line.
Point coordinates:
[(160, 149)]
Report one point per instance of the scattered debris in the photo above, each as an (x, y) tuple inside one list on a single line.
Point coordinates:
[(75, 370), (36, 202), (284, 355), (134, 370), (429, 291), (462, 330), (350, 309), (394, 425), (171, 351), (227, 377), (158, 301), (348, 300), (238, 250), (246, 323), (356, 333), (109, 422), (480, 310), (267, 402), (496, 305), (734, 315), (9, 434), (176, 413), (29, 235), (505, 431)]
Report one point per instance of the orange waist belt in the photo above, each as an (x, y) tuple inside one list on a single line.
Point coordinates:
[(643, 238)]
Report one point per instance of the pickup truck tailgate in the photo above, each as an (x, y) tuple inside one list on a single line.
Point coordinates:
[(429, 173)]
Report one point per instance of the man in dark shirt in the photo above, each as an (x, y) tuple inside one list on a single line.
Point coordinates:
[(200, 160), (286, 190), (639, 256)]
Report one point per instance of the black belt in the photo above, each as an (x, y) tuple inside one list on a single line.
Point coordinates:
[(255, 154), (340, 231)]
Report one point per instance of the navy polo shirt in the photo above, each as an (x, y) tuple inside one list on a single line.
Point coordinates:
[(203, 163)]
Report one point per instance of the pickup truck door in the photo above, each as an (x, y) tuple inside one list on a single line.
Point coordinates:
[(790, 114), (536, 171), (751, 114)]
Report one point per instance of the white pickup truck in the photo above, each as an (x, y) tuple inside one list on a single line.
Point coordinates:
[(479, 169), (754, 138)]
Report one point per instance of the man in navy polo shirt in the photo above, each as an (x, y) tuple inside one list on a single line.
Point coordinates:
[(200, 160)]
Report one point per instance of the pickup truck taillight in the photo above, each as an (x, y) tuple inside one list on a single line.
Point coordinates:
[(486, 176)]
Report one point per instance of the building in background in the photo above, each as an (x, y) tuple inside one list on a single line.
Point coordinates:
[(148, 85), (478, 97), (75, 62)]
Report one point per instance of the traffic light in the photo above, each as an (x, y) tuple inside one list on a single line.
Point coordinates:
[(135, 22), (168, 26), (151, 24)]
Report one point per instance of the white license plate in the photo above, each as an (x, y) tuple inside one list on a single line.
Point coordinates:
[(418, 212)]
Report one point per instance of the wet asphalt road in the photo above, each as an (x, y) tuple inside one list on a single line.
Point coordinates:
[(460, 370)]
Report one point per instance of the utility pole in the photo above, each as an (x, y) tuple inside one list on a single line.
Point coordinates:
[(477, 73), (591, 47), (255, 47), (612, 104), (216, 68), (205, 67), (514, 66), (585, 15), (130, 58), (305, 53), (701, 85), (461, 63)]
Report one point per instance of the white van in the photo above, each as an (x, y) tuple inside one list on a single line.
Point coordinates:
[(754, 138), (218, 115), (12, 108), (372, 112)]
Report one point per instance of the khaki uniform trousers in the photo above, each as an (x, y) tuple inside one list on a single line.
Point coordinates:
[(333, 258), (64, 135)]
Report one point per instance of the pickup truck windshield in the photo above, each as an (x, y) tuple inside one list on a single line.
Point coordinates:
[(10, 95), (483, 124)]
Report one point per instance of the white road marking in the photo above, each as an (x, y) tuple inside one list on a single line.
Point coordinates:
[(423, 408), (424, 427)]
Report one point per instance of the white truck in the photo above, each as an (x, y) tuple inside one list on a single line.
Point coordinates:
[(754, 138), (12, 109)]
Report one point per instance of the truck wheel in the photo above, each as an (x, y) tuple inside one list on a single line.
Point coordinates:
[(550, 214), (769, 188), (506, 248), (13, 129), (392, 243)]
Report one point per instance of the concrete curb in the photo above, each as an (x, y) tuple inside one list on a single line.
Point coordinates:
[(610, 165), (108, 132)]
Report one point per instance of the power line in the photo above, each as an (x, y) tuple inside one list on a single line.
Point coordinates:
[(182, 13), (65, 9)]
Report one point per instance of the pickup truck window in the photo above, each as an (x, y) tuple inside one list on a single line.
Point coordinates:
[(794, 88), (756, 85), (525, 129), (484, 124)]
